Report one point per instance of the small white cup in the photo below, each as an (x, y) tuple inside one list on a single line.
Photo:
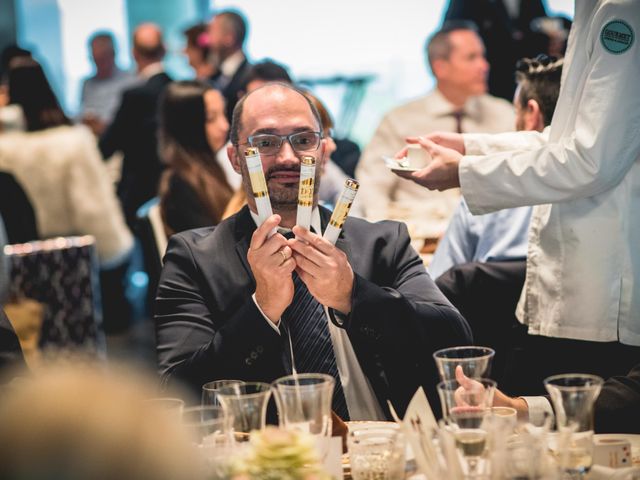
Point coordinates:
[(418, 157)]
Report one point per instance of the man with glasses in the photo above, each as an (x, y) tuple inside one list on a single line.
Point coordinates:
[(236, 302)]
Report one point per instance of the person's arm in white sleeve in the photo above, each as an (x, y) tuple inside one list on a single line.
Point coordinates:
[(595, 158), (486, 143)]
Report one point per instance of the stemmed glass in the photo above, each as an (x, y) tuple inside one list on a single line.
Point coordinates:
[(573, 396), (304, 404), (465, 410), (210, 391)]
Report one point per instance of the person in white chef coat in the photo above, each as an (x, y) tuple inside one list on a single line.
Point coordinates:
[(581, 298)]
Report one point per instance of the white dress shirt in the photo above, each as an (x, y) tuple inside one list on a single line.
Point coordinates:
[(361, 400)]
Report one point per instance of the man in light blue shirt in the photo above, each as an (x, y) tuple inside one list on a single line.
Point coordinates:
[(502, 235)]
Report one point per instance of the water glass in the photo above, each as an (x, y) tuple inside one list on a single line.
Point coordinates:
[(475, 361), (210, 391), (377, 453), (247, 404), (209, 425), (168, 406), (573, 396)]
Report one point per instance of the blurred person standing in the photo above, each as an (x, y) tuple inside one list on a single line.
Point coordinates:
[(227, 34), (193, 127), (505, 27), (60, 168), (197, 51), (133, 130), (581, 298), (458, 103), (101, 92)]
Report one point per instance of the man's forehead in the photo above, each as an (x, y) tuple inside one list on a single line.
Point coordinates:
[(275, 107)]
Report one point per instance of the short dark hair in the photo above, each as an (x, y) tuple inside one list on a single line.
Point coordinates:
[(438, 45), (196, 38), (235, 20), (103, 35), (268, 71), (539, 80), (236, 118)]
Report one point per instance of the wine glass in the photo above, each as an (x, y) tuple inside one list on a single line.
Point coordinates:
[(304, 403), (465, 410), (573, 396)]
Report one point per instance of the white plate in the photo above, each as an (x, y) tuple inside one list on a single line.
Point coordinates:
[(634, 440), (404, 169)]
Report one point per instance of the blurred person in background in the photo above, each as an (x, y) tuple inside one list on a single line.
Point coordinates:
[(193, 191), (11, 117), (60, 169), (459, 102), (134, 128), (227, 34), (505, 27), (101, 92), (73, 420), (197, 51)]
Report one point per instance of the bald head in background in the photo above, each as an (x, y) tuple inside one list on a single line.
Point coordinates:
[(148, 45)]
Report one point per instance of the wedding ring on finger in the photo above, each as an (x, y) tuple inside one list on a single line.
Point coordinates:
[(285, 257)]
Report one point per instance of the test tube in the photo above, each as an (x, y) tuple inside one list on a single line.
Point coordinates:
[(258, 184), (305, 191), (341, 211)]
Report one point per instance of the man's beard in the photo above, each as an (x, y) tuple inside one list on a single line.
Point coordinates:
[(284, 197)]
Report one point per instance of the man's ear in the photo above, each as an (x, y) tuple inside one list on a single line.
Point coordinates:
[(533, 119), (234, 158), (439, 67)]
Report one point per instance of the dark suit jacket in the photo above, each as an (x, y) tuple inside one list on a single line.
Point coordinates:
[(133, 132), (208, 326), (16, 211), (618, 405), (232, 89)]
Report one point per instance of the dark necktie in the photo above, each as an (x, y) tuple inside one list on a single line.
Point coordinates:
[(306, 322), (458, 114)]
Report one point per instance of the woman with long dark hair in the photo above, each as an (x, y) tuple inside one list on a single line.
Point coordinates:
[(194, 190)]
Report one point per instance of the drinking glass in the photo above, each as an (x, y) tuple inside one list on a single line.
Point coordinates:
[(210, 391), (304, 403), (247, 404), (475, 361), (573, 396), (465, 411), (377, 453)]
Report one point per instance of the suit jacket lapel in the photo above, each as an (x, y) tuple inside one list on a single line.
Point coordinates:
[(244, 228)]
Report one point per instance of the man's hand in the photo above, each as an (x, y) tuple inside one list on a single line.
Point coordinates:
[(441, 173), (454, 141), (323, 268), (272, 265)]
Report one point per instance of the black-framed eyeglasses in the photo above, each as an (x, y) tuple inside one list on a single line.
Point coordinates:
[(270, 144)]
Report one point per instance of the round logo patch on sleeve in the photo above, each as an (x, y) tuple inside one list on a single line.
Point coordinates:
[(617, 36)]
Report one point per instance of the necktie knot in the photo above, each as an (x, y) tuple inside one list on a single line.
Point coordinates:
[(457, 115)]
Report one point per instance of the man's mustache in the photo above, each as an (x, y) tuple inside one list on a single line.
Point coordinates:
[(281, 168)]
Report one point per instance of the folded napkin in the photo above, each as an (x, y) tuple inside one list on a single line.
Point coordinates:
[(599, 472)]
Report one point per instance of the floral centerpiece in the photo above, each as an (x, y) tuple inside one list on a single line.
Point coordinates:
[(277, 454)]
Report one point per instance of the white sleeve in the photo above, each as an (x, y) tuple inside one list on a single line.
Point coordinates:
[(486, 143), (539, 408), (269, 322), (594, 158)]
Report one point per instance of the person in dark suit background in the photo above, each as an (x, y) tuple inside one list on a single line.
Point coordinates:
[(505, 28), (133, 130), (227, 34), (231, 300)]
